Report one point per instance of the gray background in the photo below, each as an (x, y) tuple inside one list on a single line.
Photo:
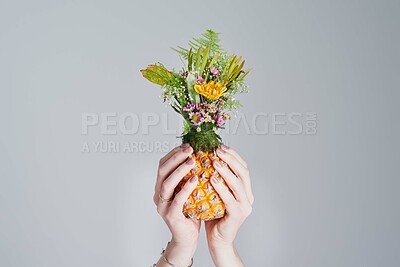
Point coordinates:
[(329, 199)]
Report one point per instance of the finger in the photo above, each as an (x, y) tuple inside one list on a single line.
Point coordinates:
[(168, 186), (171, 153), (225, 195), (233, 182), (183, 195), (240, 170), (173, 161), (160, 163), (234, 153), (162, 206), (169, 165)]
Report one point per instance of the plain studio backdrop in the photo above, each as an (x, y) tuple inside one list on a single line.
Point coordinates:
[(319, 129)]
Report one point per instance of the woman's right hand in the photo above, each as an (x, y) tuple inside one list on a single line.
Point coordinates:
[(185, 231)]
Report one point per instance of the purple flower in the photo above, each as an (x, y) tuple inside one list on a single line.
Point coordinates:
[(199, 80), (214, 71), (195, 117), (184, 74)]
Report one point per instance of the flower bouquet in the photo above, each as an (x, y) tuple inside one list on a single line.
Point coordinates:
[(203, 92)]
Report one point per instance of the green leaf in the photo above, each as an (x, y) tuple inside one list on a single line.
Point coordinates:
[(215, 57), (237, 70), (190, 59), (204, 59), (198, 58), (157, 73), (244, 74), (229, 61)]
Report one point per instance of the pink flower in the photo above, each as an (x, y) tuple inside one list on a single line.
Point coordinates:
[(214, 71), (199, 80), (195, 117), (220, 120), (189, 107)]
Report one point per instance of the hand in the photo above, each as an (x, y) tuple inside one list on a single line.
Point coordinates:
[(221, 233), (185, 231)]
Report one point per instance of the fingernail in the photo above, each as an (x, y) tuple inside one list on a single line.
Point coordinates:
[(224, 147), (217, 163), (221, 151), (187, 149), (184, 145), (215, 180), (193, 179), (189, 161)]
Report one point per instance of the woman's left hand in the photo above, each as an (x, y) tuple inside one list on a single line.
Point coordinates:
[(238, 202)]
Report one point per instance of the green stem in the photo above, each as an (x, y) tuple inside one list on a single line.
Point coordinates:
[(205, 140)]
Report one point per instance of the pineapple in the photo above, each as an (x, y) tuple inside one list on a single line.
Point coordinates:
[(204, 203), (202, 93)]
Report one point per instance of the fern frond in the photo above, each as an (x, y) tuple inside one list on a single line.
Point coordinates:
[(208, 39)]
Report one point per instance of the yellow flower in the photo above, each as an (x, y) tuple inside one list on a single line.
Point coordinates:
[(211, 90)]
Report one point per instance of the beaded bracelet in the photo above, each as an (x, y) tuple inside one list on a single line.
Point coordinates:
[(165, 259)]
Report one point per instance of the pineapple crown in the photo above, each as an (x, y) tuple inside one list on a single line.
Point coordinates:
[(204, 90)]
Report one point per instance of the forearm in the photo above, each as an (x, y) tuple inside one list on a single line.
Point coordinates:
[(177, 254), (225, 255)]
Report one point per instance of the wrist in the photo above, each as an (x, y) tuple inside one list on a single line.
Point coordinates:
[(178, 253), (215, 244), (218, 249), (220, 245), (186, 246), (224, 254)]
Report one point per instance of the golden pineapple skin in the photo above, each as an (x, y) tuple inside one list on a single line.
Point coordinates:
[(204, 203)]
